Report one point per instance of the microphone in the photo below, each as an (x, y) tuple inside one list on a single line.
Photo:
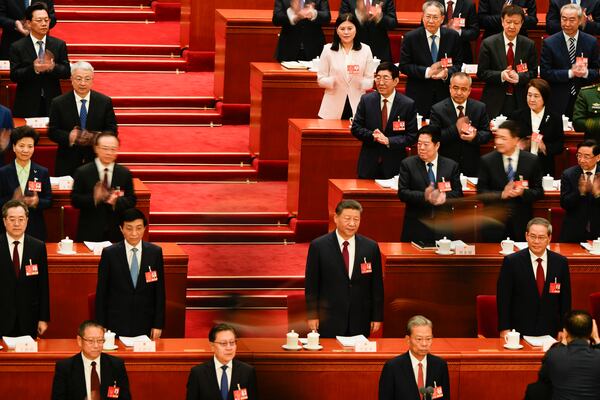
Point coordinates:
[(425, 391)]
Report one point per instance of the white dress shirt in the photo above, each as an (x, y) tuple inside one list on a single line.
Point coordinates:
[(433, 167), (101, 168), (11, 246), (219, 372), (390, 101), (514, 157), (129, 252), (456, 107), (593, 171), (78, 102), (351, 250), (544, 258), (87, 372), (415, 366), (429, 41), (36, 46)]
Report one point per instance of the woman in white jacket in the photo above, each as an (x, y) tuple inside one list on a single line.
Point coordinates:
[(345, 70)]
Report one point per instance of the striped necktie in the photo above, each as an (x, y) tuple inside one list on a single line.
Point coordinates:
[(572, 60)]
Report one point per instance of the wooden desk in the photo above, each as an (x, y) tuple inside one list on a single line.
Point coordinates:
[(44, 139), (72, 278), (444, 288), (330, 374)]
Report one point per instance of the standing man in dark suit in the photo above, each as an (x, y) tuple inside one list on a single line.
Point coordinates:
[(344, 283), (27, 181), (509, 181), (301, 22), (461, 15), (102, 190), (580, 195), (75, 117), (37, 64), (534, 286), (409, 375), (12, 15), (589, 22), (490, 15), (376, 18), (130, 293), (222, 375), (386, 124), (569, 60), (24, 290), (507, 61), (90, 374), (428, 212), (428, 71), (464, 123)]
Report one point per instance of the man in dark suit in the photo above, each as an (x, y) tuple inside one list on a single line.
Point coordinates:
[(569, 60), (27, 181), (589, 23), (509, 182), (490, 15), (428, 71), (12, 15), (24, 291), (580, 195), (376, 19), (90, 374), (507, 61), (534, 286), (130, 293), (75, 116), (344, 283), (222, 375), (464, 123), (461, 15), (102, 190), (301, 22), (37, 64), (386, 124), (417, 371), (421, 185)]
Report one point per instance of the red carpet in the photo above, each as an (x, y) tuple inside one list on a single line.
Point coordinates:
[(154, 84), (248, 323), (166, 32), (246, 260), (219, 197)]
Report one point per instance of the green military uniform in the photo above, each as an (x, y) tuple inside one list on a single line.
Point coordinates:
[(586, 114)]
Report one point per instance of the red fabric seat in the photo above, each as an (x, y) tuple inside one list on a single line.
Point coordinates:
[(69, 219), (92, 305), (595, 306), (487, 316)]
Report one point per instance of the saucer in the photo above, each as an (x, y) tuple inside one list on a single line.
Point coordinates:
[(505, 253), (513, 348), (444, 253), (67, 253), (319, 347), (595, 253), (110, 348), (285, 346), (1, 347)]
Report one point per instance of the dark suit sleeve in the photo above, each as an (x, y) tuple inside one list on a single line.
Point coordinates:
[(280, 17), (547, 69), (449, 132), (81, 197), (44, 287), (408, 65), (504, 295), (552, 18), (389, 19), (386, 382), (405, 193), (471, 31), (20, 69), (487, 20), (312, 281), (377, 286), (55, 132), (159, 313), (110, 120), (252, 387), (530, 16), (323, 13), (129, 199), (555, 139), (59, 384), (193, 385), (565, 290), (122, 380), (570, 199), (535, 191), (45, 196), (445, 380), (593, 61), (484, 70), (484, 184), (358, 123), (102, 287), (454, 179), (5, 192), (484, 134), (62, 69), (532, 65), (398, 142)]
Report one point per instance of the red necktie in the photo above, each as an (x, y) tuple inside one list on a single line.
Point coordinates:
[(420, 380), (16, 261), (460, 111), (94, 383), (346, 256), (539, 277), (105, 179), (510, 61), (384, 115), (449, 11)]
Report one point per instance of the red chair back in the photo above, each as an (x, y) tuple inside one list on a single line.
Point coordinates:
[(69, 221), (595, 306), (92, 305), (487, 316)]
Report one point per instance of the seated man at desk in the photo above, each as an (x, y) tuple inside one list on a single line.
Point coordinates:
[(423, 186), (90, 374), (534, 286), (416, 373)]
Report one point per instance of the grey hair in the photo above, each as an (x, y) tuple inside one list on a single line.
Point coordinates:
[(540, 221), (432, 3), (462, 75), (83, 65), (417, 320), (572, 6)]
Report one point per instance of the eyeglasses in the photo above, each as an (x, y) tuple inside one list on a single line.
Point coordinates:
[(231, 343), (585, 156), (432, 17), (535, 238), (93, 341), (15, 220), (383, 78)]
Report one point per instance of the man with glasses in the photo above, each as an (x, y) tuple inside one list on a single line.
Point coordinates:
[(580, 195), (102, 190), (221, 376), (90, 374), (75, 117), (37, 64), (24, 290), (386, 124), (534, 286)]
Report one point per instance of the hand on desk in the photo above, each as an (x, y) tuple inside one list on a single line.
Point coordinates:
[(375, 326), (42, 327), (155, 333), (313, 324)]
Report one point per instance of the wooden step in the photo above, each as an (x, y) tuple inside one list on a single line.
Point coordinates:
[(221, 233), (160, 172), (219, 218)]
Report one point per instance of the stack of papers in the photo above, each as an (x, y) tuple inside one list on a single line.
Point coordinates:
[(391, 183), (11, 342), (97, 247), (540, 341), (61, 182), (130, 341), (586, 246), (350, 341), (521, 245), (37, 122), (296, 64)]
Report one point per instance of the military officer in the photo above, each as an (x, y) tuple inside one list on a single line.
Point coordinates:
[(586, 114)]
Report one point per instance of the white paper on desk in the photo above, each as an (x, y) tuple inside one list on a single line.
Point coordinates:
[(4, 65), (130, 341), (455, 243), (391, 183), (294, 65), (350, 341), (521, 245), (11, 342), (94, 246), (473, 180), (586, 246), (469, 68), (37, 122), (539, 341), (63, 182)]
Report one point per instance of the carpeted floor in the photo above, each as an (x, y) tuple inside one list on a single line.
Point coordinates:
[(166, 32), (154, 84), (248, 323)]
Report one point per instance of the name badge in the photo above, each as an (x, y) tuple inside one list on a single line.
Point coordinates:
[(353, 69), (581, 61), (34, 186), (554, 287), (536, 137), (523, 184), (446, 62), (461, 22), (444, 186), (437, 392), (113, 392), (240, 394), (151, 276), (522, 67), (31, 270), (398, 125), (365, 267)]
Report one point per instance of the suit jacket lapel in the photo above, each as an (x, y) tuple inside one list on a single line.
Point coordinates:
[(107, 378), (79, 375), (500, 50), (500, 168), (212, 378), (408, 371), (236, 377), (358, 258), (425, 43), (336, 251), (451, 112), (423, 172), (395, 110), (545, 119), (5, 253), (125, 264), (73, 109)]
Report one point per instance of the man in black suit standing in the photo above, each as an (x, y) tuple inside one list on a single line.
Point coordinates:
[(461, 16), (386, 123), (507, 61), (24, 290), (464, 123), (590, 23), (102, 190), (376, 18), (534, 286), (90, 374), (416, 372), (569, 60), (580, 195), (130, 293), (37, 64), (75, 116), (490, 15), (222, 375), (344, 283), (12, 15), (428, 71), (422, 185)]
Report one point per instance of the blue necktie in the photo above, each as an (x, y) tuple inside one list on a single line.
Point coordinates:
[(510, 172), (430, 172), (135, 268), (434, 48), (26, 3), (83, 115), (40, 49), (224, 388)]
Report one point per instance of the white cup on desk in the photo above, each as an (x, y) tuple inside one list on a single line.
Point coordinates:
[(109, 340), (596, 245), (548, 182), (313, 340), (292, 340), (443, 245), (507, 246), (65, 245), (512, 339)]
